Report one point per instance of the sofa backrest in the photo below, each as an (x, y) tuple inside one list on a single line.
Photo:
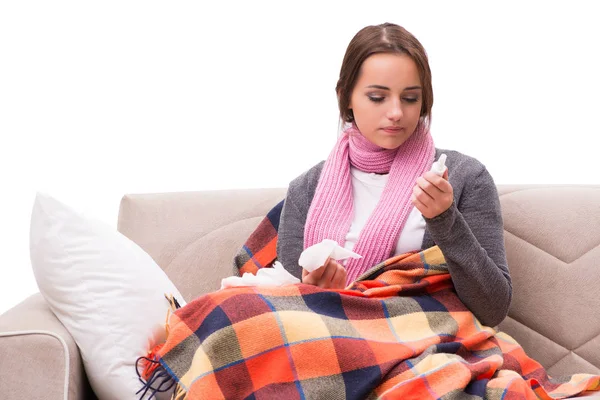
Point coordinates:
[(552, 236)]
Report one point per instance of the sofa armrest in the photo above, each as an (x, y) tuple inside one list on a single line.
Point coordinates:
[(38, 357)]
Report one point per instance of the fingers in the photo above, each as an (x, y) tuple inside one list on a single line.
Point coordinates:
[(330, 269), (330, 276), (423, 209), (430, 187), (339, 279), (424, 191), (315, 276), (418, 203), (432, 194), (433, 183), (338, 276), (310, 277)]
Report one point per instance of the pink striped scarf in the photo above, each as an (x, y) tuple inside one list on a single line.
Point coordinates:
[(331, 211)]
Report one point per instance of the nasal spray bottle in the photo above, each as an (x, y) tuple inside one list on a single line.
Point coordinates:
[(439, 167)]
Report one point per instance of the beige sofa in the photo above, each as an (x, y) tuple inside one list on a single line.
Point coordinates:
[(552, 236)]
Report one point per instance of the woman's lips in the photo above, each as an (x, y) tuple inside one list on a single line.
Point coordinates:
[(392, 130)]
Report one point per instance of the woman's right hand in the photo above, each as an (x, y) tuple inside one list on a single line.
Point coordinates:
[(332, 275)]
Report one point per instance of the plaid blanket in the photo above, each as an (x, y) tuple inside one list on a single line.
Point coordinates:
[(400, 331), (260, 250)]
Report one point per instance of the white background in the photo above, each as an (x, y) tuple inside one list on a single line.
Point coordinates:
[(99, 99)]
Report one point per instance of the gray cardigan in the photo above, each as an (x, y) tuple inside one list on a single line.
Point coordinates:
[(470, 235)]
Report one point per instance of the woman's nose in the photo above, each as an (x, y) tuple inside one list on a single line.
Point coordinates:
[(395, 111)]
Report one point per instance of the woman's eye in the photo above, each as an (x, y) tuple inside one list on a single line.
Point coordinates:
[(376, 99)]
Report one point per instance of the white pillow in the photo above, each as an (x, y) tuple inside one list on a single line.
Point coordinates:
[(105, 290)]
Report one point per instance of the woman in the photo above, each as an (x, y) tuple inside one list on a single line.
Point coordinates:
[(375, 193)]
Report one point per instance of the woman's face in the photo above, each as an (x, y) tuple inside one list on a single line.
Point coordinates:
[(386, 100)]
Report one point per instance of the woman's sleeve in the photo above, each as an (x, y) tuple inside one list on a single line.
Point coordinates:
[(290, 237), (471, 237)]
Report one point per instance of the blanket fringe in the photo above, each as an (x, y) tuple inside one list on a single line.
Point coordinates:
[(179, 393), (152, 372), (172, 302), (158, 376)]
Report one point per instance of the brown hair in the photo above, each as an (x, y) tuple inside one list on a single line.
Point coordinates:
[(384, 38)]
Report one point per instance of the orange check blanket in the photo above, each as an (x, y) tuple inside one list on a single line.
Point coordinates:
[(399, 332)]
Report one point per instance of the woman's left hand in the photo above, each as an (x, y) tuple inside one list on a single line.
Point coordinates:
[(433, 194)]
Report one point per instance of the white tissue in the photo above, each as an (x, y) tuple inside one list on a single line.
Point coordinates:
[(316, 255), (276, 276)]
